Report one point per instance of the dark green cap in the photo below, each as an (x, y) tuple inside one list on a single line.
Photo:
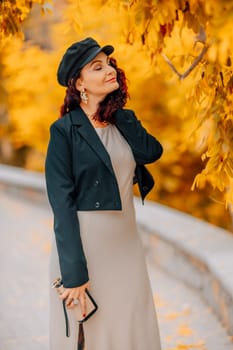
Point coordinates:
[(77, 56)]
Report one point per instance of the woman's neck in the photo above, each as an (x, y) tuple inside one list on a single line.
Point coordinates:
[(91, 106), (90, 110)]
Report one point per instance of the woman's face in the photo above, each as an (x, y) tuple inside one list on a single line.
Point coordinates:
[(98, 77)]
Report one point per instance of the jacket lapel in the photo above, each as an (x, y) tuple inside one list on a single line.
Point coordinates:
[(86, 130)]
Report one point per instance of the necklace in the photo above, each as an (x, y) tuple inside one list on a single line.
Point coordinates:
[(94, 121), (90, 115)]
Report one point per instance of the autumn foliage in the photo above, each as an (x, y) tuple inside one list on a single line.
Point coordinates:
[(13, 13), (178, 58)]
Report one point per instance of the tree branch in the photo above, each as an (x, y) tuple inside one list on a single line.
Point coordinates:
[(201, 37), (192, 66)]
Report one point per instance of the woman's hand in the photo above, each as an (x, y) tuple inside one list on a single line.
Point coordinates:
[(77, 293)]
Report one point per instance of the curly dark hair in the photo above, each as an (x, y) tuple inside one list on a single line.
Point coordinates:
[(113, 101)]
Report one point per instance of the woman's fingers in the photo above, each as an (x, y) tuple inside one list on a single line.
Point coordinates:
[(82, 300), (72, 301), (78, 294), (69, 303)]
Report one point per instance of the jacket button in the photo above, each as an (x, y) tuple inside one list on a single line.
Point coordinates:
[(145, 188), (96, 183), (97, 204)]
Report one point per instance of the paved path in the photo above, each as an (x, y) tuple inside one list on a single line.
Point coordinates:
[(26, 228)]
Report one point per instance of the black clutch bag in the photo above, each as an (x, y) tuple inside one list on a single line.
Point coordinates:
[(91, 308), (91, 305)]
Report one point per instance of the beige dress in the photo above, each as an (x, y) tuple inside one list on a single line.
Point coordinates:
[(126, 318)]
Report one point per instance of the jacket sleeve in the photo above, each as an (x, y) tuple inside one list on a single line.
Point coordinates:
[(61, 194), (145, 147)]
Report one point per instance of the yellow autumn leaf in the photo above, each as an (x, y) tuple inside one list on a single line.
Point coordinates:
[(184, 330), (200, 345)]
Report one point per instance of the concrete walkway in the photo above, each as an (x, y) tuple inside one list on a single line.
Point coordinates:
[(26, 227)]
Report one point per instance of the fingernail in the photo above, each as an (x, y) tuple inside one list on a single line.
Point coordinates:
[(84, 315)]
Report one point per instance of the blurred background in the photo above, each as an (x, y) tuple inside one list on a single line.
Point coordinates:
[(177, 56)]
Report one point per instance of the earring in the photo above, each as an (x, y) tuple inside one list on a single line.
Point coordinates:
[(83, 96)]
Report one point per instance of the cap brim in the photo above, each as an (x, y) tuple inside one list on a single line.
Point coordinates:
[(107, 49)]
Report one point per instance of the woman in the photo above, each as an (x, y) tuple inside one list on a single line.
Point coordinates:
[(96, 151)]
